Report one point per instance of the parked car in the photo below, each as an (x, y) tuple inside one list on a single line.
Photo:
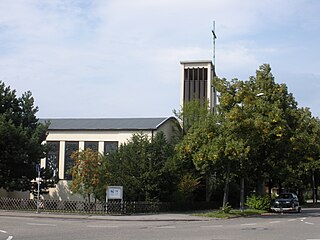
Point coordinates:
[(286, 202)]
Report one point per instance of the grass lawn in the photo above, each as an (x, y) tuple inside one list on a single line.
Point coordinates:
[(232, 213)]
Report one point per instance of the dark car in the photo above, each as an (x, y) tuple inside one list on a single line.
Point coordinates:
[(286, 202)]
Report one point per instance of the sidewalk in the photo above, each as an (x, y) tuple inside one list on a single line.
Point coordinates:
[(136, 217)]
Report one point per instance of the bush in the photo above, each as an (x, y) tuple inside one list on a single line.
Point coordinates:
[(258, 202), (225, 209), (188, 184)]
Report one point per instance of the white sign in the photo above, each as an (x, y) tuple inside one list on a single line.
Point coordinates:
[(38, 179), (114, 192)]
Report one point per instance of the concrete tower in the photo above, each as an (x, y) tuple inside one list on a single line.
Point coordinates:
[(196, 82)]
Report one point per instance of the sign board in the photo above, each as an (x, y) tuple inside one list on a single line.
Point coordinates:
[(38, 179), (114, 192)]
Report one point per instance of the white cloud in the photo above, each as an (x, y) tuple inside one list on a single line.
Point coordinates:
[(121, 58)]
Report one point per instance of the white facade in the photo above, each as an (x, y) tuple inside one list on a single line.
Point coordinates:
[(61, 191), (100, 131), (83, 136)]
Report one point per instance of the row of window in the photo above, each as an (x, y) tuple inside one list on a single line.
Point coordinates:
[(195, 84), (52, 159), (196, 74)]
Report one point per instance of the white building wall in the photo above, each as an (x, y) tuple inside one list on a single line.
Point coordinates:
[(81, 137), (120, 136), (61, 159), (62, 191), (169, 128), (101, 146)]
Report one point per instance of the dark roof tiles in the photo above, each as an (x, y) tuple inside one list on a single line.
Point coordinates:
[(105, 123)]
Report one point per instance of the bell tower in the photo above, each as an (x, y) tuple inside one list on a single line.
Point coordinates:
[(197, 82)]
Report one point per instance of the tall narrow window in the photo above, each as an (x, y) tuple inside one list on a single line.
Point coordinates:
[(196, 74), (110, 146), (205, 74), (71, 147), (92, 145), (186, 74), (201, 73), (52, 159), (191, 74)]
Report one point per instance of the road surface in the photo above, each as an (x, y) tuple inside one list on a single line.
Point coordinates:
[(304, 226)]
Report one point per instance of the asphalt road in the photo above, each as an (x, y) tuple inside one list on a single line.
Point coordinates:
[(304, 226)]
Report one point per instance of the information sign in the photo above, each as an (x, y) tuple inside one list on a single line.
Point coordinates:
[(114, 192)]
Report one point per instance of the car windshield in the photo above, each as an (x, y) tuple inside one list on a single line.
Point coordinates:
[(285, 196)]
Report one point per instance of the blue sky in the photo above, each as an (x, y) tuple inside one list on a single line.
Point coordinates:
[(121, 58)]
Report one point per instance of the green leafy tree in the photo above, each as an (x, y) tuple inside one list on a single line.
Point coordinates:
[(160, 175), (281, 139), (234, 128), (275, 121), (192, 112), (195, 117), (306, 152), (87, 176), (259, 117), (257, 130), (216, 144), (186, 187), (21, 137), (198, 154), (143, 167)]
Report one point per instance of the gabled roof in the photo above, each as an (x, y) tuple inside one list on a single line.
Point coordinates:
[(105, 123)]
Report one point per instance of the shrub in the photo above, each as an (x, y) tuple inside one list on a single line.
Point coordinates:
[(188, 184), (258, 202), (225, 209)]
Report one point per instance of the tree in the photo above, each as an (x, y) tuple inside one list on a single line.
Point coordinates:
[(306, 152), (143, 167), (194, 116), (160, 175), (257, 129), (191, 113), (215, 143), (261, 116), (87, 173), (127, 167), (21, 137), (275, 120), (187, 186), (281, 138)]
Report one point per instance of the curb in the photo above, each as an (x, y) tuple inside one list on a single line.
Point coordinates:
[(154, 217)]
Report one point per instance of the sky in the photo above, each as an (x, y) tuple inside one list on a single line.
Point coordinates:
[(121, 58)]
